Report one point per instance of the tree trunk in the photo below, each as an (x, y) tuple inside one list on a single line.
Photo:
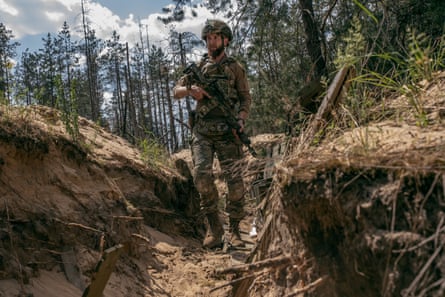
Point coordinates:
[(90, 74), (174, 138), (313, 43)]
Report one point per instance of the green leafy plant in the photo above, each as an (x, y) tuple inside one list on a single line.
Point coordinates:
[(424, 56), (407, 70), (152, 152), (68, 106), (352, 52), (354, 47)]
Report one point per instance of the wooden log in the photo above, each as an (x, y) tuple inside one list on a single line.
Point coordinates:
[(333, 96)]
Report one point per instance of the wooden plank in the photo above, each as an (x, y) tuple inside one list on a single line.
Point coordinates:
[(103, 271), (333, 96)]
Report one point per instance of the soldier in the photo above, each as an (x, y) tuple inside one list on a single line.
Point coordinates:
[(211, 134)]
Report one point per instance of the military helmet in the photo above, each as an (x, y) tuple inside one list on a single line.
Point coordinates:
[(216, 26)]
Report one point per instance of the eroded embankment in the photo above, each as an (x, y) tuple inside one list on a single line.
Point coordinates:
[(60, 197), (363, 225)]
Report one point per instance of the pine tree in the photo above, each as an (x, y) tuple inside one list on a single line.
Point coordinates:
[(47, 71), (7, 53)]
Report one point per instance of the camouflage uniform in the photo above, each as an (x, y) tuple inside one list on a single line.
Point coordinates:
[(211, 135)]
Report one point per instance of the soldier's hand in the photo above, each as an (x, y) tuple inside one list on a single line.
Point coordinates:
[(241, 124), (198, 93)]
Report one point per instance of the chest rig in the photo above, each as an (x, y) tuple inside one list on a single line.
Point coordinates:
[(225, 78)]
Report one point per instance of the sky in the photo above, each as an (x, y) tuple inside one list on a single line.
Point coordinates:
[(30, 20)]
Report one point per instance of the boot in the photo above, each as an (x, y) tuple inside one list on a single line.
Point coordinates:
[(214, 233), (235, 236)]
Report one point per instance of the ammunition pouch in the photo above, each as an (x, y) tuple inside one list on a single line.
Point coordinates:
[(206, 106), (212, 127)]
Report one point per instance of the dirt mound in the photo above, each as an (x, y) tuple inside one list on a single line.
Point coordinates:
[(362, 214)]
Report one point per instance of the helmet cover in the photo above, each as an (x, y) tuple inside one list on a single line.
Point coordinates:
[(216, 26)]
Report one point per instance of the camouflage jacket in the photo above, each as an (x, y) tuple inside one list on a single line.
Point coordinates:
[(232, 79)]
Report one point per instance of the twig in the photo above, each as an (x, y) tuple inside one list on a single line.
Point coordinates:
[(443, 185), (433, 285), (439, 226), (309, 287), (430, 191), (423, 242), (51, 251), (83, 227), (11, 243), (345, 185), (128, 218), (393, 224), (141, 237), (277, 261), (412, 286), (232, 282), (79, 225)]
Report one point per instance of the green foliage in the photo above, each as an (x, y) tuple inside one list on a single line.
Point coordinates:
[(68, 106), (354, 48), (3, 100), (152, 152), (419, 62), (277, 61), (352, 53), (366, 10), (423, 58), (74, 113)]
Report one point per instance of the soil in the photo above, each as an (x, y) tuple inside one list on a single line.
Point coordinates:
[(361, 213)]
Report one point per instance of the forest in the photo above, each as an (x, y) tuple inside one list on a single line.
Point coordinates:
[(285, 46)]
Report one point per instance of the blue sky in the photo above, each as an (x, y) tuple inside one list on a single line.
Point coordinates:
[(30, 20)]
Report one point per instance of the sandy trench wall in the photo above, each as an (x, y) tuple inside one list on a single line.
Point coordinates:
[(366, 231), (57, 196)]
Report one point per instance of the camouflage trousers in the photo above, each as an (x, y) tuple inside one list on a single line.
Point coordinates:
[(204, 147)]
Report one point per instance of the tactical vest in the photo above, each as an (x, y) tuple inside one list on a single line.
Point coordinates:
[(225, 77)]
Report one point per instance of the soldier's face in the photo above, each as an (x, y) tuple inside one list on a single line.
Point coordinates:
[(215, 44)]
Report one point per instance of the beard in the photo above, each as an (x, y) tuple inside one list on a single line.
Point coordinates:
[(217, 52)]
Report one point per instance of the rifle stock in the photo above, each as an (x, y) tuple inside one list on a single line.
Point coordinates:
[(212, 87)]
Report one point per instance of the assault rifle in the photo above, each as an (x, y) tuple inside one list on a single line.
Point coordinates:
[(211, 86)]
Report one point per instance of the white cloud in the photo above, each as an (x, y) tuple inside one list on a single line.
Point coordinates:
[(8, 8), (38, 17), (71, 5), (102, 20), (55, 16), (43, 16)]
